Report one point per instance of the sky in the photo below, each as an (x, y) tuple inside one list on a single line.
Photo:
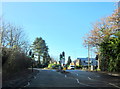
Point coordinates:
[(61, 24)]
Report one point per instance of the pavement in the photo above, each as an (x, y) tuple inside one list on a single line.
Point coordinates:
[(74, 78), (105, 72), (112, 74)]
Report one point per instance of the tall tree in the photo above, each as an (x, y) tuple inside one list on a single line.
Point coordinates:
[(13, 37), (45, 55), (14, 47), (69, 60), (40, 49), (105, 36)]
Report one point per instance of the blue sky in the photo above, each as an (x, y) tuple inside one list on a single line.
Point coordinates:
[(61, 24)]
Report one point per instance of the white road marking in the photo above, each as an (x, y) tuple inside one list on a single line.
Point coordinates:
[(27, 84), (89, 78), (77, 81), (77, 74), (34, 77), (36, 69), (85, 84), (65, 76), (114, 85), (82, 83)]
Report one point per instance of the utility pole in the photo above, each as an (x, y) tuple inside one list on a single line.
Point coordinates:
[(98, 61), (98, 58), (88, 56)]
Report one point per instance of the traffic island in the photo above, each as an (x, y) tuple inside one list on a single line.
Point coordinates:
[(62, 71)]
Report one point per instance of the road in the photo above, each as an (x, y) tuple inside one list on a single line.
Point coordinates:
[(75, 78)]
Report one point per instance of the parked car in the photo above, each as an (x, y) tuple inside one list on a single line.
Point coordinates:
[(71, 67)]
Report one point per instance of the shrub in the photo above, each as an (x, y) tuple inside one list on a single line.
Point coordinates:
[(79, 67), (53, 66), (14, 61)]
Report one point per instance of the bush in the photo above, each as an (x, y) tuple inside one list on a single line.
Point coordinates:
[(53, 66), (50, 65), (79, 67), (14, 61)]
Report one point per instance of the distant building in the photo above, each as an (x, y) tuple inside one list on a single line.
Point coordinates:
[(84, 62), (77, 62), (72, 63), (58, 62), (55, 62)]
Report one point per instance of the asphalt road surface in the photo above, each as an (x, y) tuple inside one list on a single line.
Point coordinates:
[(75, 78)]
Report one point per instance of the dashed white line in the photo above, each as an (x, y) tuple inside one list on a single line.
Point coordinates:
[(85, 84), (114, 85), (65, 76), (76, 74), (89, 78), (77, 81), (27, 84), (34, 77), (82, 83)]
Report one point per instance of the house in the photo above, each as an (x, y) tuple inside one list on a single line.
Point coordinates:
[(55, 62), (72, 63), (77, 62), (58, 62), (84, 62)]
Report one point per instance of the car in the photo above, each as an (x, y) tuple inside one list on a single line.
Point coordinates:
[(71, 67)]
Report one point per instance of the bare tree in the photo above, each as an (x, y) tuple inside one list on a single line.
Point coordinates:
[(13, 37)]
